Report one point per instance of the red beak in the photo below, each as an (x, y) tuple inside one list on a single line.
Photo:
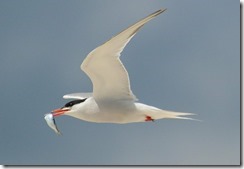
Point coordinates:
[(59, 112)]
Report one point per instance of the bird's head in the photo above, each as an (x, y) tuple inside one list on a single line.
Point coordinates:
[(68, 107)]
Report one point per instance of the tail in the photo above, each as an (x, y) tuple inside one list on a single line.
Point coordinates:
[(154, 113), (174, 115)]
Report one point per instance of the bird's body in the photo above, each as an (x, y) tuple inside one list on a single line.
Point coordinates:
[(112, 100), (105, 111), (119, 111)]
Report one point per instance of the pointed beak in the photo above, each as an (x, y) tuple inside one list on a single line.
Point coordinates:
[(59, 112)]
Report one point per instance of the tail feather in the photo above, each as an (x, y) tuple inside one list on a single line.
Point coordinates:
[(156, 113), (173, 115), (186, 118)]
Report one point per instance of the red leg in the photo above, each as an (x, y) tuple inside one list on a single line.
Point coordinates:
[(148, 118)]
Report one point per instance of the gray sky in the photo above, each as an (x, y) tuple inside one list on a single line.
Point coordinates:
[(187, 59)]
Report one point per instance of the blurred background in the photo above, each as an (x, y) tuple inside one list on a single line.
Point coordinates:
[(187, 59)]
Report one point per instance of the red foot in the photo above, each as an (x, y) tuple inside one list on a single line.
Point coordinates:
[(148, 118)]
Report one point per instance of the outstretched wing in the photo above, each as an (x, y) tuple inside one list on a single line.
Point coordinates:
[(103, 66), (79, 96)]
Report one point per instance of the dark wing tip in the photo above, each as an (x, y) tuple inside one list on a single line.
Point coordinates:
[(159, 11)]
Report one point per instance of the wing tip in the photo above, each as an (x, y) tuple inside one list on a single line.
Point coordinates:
[(159, 11)]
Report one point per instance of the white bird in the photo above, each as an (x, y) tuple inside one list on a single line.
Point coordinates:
[(112, 100)]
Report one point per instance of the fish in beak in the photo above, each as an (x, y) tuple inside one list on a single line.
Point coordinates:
[(58, 112), (51, 123)]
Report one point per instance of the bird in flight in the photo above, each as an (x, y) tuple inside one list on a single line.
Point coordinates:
[(112, 100)]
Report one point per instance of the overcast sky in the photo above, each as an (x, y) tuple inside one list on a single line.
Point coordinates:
[(187, 59)]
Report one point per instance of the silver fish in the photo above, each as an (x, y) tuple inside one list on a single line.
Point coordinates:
[(51, 123)]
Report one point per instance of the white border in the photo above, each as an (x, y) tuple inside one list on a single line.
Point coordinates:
[(3, 167)]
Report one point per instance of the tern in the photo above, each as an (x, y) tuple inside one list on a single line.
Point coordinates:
[(112, 100)]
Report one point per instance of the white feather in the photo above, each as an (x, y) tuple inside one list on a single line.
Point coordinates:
[(77, 96), (108, 75)]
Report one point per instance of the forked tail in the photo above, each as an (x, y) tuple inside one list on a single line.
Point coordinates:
[(174, 115), (152, 113)]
